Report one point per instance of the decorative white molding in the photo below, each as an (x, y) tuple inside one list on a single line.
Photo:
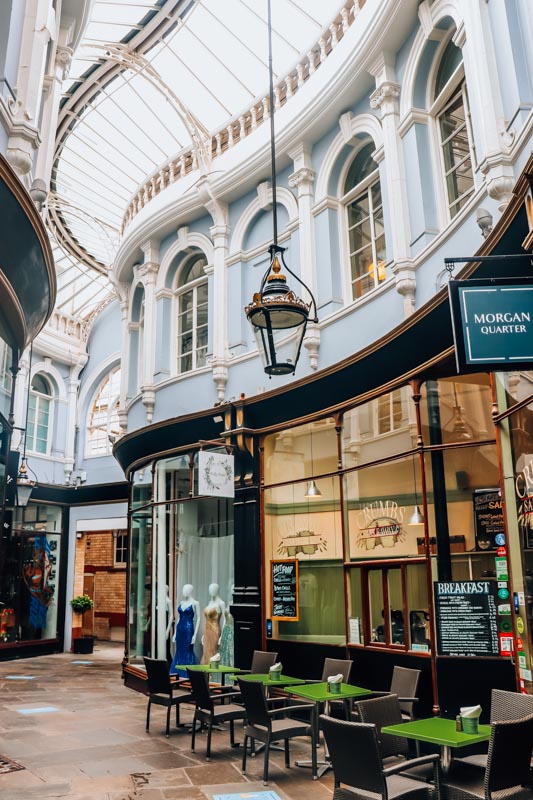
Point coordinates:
[(185, 240), (47, 368), (415, 116), (361, 124), (385, 97), (284, 197), (312, 344), (301, 178)]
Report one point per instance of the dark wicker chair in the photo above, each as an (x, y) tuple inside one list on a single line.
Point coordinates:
[(162, 691), (212, 709), (358, 769), (508, 772), (504, 707), (404, 684), (261, 724), (262, 660), (386, 710)]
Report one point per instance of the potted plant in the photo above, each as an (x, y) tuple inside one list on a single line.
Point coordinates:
[(80, 605)]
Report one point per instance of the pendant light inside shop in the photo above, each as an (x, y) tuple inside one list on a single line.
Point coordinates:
[(277, 315)]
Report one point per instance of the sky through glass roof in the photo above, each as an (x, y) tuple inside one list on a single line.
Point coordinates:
[(146, 77)]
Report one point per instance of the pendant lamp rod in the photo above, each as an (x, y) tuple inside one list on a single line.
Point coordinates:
[(272, 132)]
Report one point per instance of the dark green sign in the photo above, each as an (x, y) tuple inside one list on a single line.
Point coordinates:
[(492, 324)]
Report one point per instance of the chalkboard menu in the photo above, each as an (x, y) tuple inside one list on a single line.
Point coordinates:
[(466, 618), (285, 589), (488, 519)]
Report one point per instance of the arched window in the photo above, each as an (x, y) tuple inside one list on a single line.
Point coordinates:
[(366, 233), (39, 415), (454, 129), (192, 313), (103, 426)]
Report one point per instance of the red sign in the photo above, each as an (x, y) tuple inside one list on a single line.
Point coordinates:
[(506, 644), (501, 551), (519, 644)]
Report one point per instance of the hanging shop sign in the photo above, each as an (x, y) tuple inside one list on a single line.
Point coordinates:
[(284, 587), (467, 620), (492, 324), (216, 474), (488, 520)]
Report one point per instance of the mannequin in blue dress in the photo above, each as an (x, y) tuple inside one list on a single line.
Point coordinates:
[(186, 630)]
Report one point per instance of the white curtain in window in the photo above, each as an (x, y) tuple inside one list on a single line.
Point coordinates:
[(203, 560)]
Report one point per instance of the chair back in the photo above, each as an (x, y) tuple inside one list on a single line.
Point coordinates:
[(404, 683), (505, 706), (200, 690), (262, 661), (354, 751), (253, 697), (157, 675), (332, 666), (509, 756), (381, 711)]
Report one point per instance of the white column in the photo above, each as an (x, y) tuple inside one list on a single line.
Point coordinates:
[(72, 411), (125, 351), (147, 272), (385, 98), (493, 141), (39, 28), (219, 361), (53, 87), (303, 179)]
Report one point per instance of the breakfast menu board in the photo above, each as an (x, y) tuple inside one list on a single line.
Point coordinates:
[(284, 576), (466, 618)]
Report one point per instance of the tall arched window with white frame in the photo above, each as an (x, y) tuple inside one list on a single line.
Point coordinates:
[(103, 423), (452, 114), (364, 218), (192, 314), (40, 405)]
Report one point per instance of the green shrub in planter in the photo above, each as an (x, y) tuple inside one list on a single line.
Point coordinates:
[(80, 605)]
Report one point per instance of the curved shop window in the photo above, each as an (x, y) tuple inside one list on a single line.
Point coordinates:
[(414, 461), (179, 540)]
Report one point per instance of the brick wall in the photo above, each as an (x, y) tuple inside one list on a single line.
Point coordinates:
[(95, 552)]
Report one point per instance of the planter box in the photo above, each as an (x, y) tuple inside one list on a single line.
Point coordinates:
[(84, 645)]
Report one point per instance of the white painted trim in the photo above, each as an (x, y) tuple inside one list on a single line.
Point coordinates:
[(362, 123), (94, 380), (185, 239), (285, 198), (109, 524), (52, 372)]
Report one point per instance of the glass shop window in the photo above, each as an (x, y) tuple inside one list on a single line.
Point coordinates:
[(397, 602), (29, 577), (462, 488), (120, 539), (301, 452), (303, 521), (380, 506), (140, 629), (379, 428), (457, 410)]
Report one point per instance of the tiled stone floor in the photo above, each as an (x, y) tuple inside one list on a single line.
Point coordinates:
[(80, 734)]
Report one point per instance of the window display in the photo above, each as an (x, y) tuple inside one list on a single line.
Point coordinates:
[(187, 626), (30, 561)]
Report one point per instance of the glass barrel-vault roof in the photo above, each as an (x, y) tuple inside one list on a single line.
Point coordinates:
[(147, 80)]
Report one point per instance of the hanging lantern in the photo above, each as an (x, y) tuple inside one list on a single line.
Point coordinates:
[(278, 318)]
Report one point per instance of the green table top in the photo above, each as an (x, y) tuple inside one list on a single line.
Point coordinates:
[(318, 692), (438, 730), (206, 668), (266, 680)]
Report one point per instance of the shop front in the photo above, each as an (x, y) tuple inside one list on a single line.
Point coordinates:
[(381, 513)]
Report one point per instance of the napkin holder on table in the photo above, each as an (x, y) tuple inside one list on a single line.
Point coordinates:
[(470, 718), (214, 661), (334, 683), (275, 671)]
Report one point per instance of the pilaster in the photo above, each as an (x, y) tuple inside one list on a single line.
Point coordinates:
[(303, 180), (219, 304), (385, 99)]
